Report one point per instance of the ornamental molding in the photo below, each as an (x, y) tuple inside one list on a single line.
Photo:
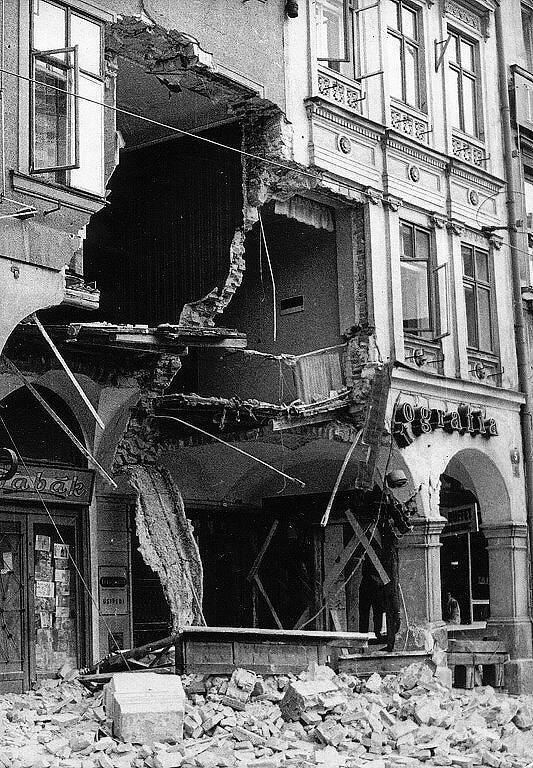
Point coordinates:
[(462, 14), (474, 236), (477, 178), (318, 107), (476, 19), (415, 153)]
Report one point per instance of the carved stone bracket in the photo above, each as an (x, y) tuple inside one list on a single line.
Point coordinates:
[(373, 196), (437, 220), (456, 227), (394, 203), (496, 241)]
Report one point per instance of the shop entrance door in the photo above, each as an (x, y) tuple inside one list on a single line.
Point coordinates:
[(464, 564), (41, 615)]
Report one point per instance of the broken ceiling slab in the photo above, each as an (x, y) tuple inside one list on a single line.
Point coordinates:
[(173, 339), (230, 414)]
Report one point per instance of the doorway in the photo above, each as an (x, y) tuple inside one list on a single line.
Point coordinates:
[(464, 561), (42, 610)]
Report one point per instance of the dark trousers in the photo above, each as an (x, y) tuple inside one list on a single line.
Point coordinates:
[(370, 597)]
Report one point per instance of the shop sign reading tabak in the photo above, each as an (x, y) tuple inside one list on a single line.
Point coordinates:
[(65, 484), (410, 422)]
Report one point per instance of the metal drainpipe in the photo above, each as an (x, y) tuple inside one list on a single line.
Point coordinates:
[(520, 330)]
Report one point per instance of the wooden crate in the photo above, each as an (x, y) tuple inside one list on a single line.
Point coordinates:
[(220, 650)]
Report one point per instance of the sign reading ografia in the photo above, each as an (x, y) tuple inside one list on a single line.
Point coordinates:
[(410, 422)]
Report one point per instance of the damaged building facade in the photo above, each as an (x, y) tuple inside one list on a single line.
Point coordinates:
[(286, 233)]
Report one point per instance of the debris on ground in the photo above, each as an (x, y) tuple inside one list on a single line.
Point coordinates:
[(317, 718)]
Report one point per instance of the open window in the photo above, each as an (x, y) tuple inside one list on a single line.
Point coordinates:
[(336, 35), (418, 279), (55, 115), (67, 94)]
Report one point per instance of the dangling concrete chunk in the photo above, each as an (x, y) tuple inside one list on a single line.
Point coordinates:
[(145, 708)]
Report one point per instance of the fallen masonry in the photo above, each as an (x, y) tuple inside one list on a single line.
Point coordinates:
[(314, 719)]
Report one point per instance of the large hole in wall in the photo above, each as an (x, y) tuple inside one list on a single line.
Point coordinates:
[(164, 239)]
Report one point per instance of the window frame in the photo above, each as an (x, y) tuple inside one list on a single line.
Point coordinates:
[(473, 76), (526, 13), (476, 284), (418, 43), (350, 58), (433, 329), (69, 10), (74, 68)]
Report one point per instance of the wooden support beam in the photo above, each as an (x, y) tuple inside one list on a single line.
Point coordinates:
[(267, 601), (259, 559), (369, 549)]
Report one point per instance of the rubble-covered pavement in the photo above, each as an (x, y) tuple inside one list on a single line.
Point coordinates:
[(315, 719)]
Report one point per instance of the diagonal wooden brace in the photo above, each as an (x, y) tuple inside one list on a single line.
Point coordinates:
[(369, 549)]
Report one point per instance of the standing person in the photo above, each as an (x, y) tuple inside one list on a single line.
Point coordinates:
[(452, 610), (371, 596)]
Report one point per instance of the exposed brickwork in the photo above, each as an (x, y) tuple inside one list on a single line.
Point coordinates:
[(360, 265)]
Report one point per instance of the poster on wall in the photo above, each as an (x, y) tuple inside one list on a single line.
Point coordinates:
[(43, 565), (6, 563), (43, 543), (44, 589), (61, 551)]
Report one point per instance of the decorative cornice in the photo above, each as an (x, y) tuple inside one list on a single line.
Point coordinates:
[(418, 153), (316, 106), (477, 21), (394, 203), (476, 176)]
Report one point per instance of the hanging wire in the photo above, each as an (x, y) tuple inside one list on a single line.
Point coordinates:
[(274, 299), (62, 540), (159, 124), (79, 445)]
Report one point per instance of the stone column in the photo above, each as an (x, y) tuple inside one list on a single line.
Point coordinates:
[(420, 582), (508, 583)]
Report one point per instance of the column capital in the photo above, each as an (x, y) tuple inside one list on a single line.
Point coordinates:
[(425, 533), (498, 533)]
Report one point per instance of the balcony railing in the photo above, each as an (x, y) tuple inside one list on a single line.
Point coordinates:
[(339, 90)]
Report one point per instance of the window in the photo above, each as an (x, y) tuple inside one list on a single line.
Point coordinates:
[(418, 302), (463, 74), (478, 298), (66, 132), (527, 29), (404, 52), (335, 35)]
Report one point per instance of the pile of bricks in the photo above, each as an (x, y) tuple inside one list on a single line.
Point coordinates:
[(314, 719)]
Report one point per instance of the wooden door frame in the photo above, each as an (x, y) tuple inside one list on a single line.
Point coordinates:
[(77, 517), (19, 519)]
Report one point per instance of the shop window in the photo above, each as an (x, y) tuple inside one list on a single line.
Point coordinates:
[(418, 287), (477, 283), (464, 86), (405, 53), (66, 142), (335, 35)]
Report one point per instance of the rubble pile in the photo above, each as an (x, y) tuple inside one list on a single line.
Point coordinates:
[(314, 719)]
